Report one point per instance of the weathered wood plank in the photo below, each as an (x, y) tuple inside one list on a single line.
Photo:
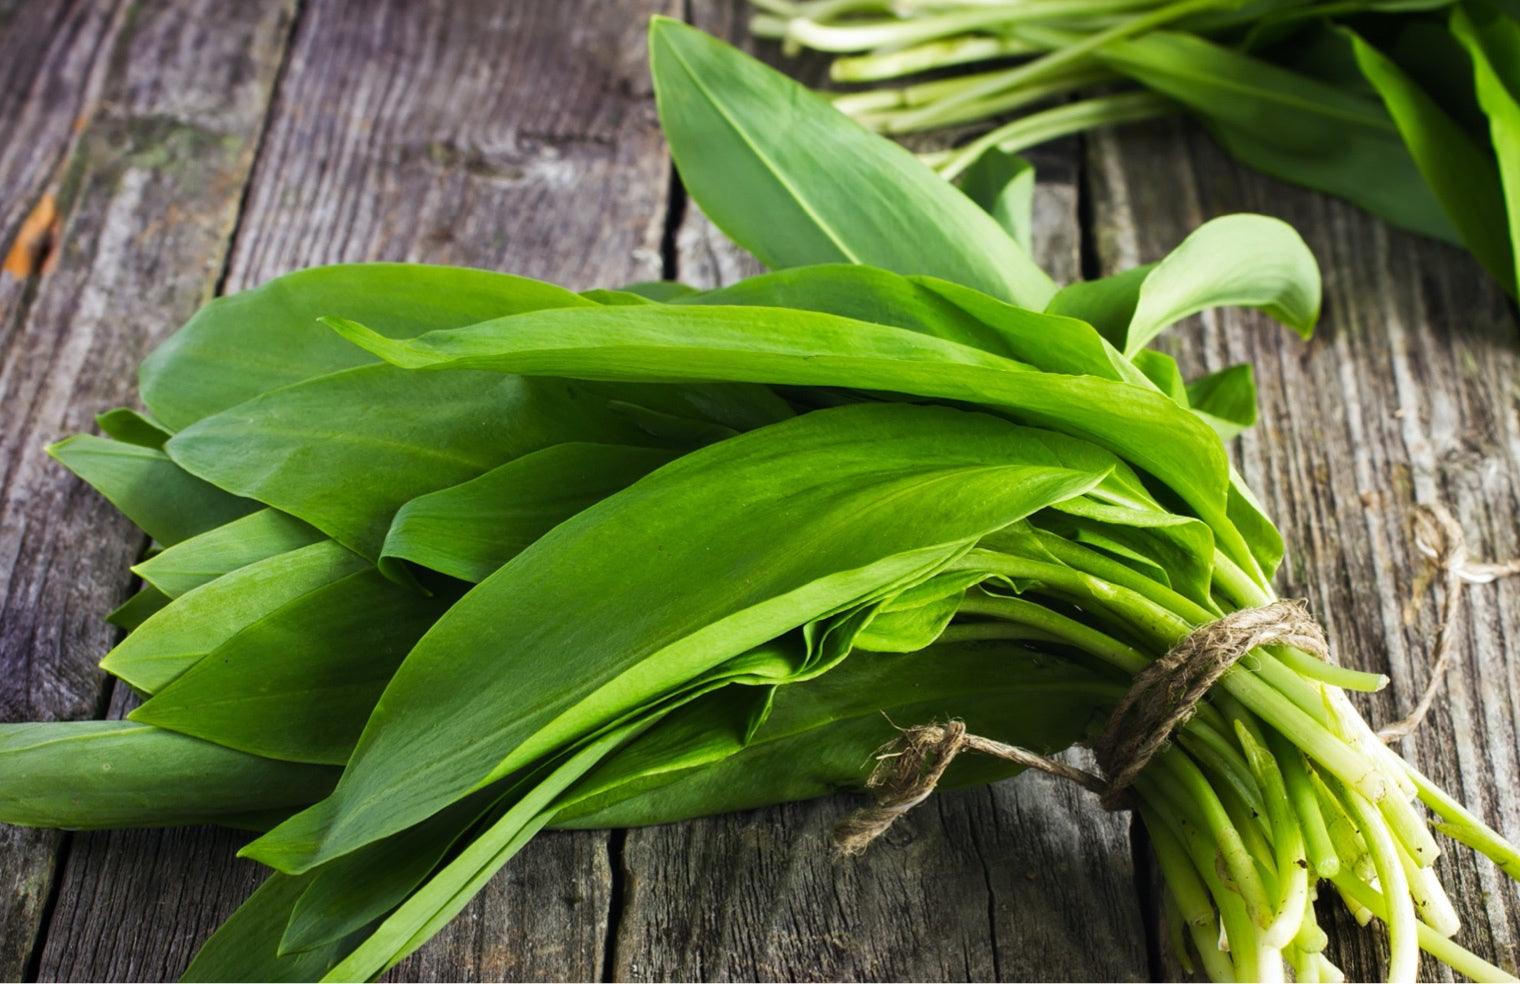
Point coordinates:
[(518, 137), (50, 68), (1408, 394), (980, 885), (141, 238)]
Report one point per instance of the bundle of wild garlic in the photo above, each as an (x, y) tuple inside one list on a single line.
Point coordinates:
[(475, 555)]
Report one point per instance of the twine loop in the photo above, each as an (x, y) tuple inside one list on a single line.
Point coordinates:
[(1162, 698), (1439, 537), (1166, 694)]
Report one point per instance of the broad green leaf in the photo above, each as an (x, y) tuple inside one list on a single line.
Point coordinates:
[(241, 345), (1226, 399), (246, 946), (196, 623), (442, 896), (1163, 370), (1460, 171), (207, 556), (352, 890), (415, 921), (1175, 550), (136, 609), (662, 291), (298, 683), (1106, 303), (1003, 185), (164, 500), (1233, 261), (820, 735), (471, 529), (706, 558), (601, 295), (98, 774), (1289, 125), (347, 894), (675, 342), (345, 451), (879, 296), (131, 427), (914, 619), (795, 182), (1493, 42)]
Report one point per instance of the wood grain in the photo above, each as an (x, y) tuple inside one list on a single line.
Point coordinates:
[(147, 197), (512, 137), (1410, 392)]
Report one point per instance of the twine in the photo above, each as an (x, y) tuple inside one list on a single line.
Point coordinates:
[(1439, 536), (1163, 697)]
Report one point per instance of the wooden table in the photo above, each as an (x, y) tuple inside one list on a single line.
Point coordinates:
[(166, 151)]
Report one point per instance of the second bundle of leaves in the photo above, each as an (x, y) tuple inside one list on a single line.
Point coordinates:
[(1410, 110), (476, 555)]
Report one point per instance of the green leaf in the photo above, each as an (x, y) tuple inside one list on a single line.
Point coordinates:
[(131, 427), (813, 511), (1460, 171), (100, 774), (796, 182), (136, 609), (1003, 185), (298, 683), (1289, 125), (821, 735), (914, 618), (1226, 399), (246, 946), (196, 623), (164, 500), (207, 556), (675, 342), (469, 530), (244, 344), (882, 297), (1493, 42), (299, 448), (663, 291), (1163, 370), (349, 893), (1232, 261)]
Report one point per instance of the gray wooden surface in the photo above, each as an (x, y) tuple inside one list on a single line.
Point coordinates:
[(166, 150)]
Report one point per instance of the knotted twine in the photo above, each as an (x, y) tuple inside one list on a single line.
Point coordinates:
[(1164, 695), (1161, 699), (1439, 536)]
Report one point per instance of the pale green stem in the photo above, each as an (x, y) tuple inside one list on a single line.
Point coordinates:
[(893, 32), (1430, 898), (1287, 842), (1464, 827), (1079, 50), (1019, 98), (1453, 955), (1165, 629), (1051, 124), (1398, 912), (1177, 770), (1188, 890), (945, 53), (1321, 851), (1240, 931)]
